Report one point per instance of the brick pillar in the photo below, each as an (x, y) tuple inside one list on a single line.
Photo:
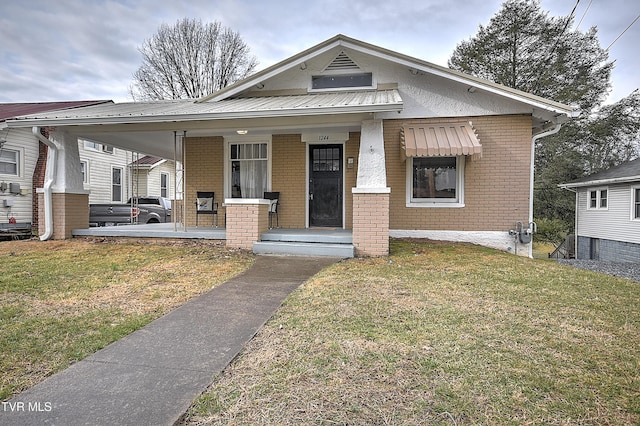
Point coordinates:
[(38, 181), (247, 220), (70, 211), (371, 221)]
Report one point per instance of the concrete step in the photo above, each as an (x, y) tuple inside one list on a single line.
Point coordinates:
[(296, 248), (305, 236)]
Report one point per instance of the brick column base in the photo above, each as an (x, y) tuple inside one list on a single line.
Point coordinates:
[(247, 220), (371, 221), (70, 211)]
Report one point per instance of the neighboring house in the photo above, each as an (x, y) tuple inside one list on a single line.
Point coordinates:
[(153, 176), (608, 214), (22, 161), (352, 136)]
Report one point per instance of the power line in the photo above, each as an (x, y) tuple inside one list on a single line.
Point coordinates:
[(625, 30), (584, 14)]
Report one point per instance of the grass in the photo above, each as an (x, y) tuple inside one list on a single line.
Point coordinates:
[(440, 333), (60, 301)]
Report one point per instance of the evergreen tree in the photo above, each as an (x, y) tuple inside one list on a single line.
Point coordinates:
[(524, 48)]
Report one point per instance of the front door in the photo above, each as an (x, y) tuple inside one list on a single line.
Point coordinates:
[(325, 185)]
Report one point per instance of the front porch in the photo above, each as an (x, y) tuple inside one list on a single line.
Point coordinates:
[(293, 242)]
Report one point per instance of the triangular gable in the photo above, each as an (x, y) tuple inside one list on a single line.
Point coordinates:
[(537, 103)]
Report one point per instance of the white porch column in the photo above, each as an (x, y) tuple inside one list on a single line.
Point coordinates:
[(371, 194), (70, 202)]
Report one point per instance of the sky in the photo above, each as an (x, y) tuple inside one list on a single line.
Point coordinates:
[(56, 50)]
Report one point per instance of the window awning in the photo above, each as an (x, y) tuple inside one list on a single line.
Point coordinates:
[(440, 140)]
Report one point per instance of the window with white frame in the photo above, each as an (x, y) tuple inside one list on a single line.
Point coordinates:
[(9, 162), (635, 203), (435, 181), (116, 184), (84, 169), (598, 199), (249, 169), (164, 184), (92, 145)]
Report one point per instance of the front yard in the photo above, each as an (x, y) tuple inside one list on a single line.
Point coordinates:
[(441, 333), (60, 301), (437, 333)]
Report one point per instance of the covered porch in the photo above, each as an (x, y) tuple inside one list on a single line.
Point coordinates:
[(280, 241)]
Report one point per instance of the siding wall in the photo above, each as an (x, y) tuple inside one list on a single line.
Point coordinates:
[(23, 141), (153, 180), (613, 223), (496, 186), (99, 166)]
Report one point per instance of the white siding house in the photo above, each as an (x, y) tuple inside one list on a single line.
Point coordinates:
[(105, 172), (18, 158), (608, 214)]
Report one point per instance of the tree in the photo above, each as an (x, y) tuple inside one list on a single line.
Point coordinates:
[(190, 60), (523, 48)]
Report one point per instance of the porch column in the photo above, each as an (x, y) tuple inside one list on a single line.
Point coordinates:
[(247, 220), (371, 194), (70, 202)]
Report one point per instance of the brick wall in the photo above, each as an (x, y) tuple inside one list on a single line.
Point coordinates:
[(38, 179), (204, 171), (70, 211), (371, 224), (288, 171), (246, 223), (610, 250), (496, 188)]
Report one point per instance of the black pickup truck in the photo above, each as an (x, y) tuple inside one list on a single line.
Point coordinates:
[(146, 210)]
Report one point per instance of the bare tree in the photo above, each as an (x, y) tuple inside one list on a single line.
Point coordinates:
[(190, 60)]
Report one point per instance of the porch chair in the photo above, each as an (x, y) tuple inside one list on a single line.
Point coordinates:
[(273, 207), (206, 204)]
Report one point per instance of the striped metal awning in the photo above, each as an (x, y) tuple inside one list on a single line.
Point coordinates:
[(440, 140)]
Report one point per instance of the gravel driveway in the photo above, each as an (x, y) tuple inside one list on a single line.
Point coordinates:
[(627, 270)]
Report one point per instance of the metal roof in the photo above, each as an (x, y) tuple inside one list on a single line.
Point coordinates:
[(250, 107), (625, 172), (10, 110), (147, 160), (440, 139)]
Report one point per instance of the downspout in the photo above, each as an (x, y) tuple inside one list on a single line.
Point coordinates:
[(51, 173), (535, 138)]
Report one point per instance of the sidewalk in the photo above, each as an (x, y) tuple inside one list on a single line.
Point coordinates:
[(153, 375)]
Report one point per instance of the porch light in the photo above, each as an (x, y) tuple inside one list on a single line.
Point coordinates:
[(242, 132)]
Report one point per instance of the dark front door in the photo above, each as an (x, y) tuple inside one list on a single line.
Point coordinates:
[(325, 185)]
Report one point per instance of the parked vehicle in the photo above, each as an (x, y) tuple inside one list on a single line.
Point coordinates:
[(146, 210)]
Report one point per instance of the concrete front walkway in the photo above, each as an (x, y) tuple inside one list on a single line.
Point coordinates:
[(153, 375)]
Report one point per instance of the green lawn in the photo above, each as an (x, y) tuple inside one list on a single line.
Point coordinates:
[(441, 333), (63, 300)]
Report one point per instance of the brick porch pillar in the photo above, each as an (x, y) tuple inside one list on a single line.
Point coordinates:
[(371, 221), (247, 220), (70, 211)]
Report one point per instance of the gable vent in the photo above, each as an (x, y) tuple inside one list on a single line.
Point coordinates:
[(341, 63)]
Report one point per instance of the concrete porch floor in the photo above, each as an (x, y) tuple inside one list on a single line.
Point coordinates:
[(166, 230), (153, 230)]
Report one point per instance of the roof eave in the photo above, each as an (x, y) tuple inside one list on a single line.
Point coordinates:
[(391, 107), (600, 182)]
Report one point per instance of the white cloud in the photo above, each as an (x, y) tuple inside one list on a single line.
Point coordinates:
[(75, 49)]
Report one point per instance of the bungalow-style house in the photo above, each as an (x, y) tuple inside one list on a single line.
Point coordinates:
[(608, 214), (350, 135)]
